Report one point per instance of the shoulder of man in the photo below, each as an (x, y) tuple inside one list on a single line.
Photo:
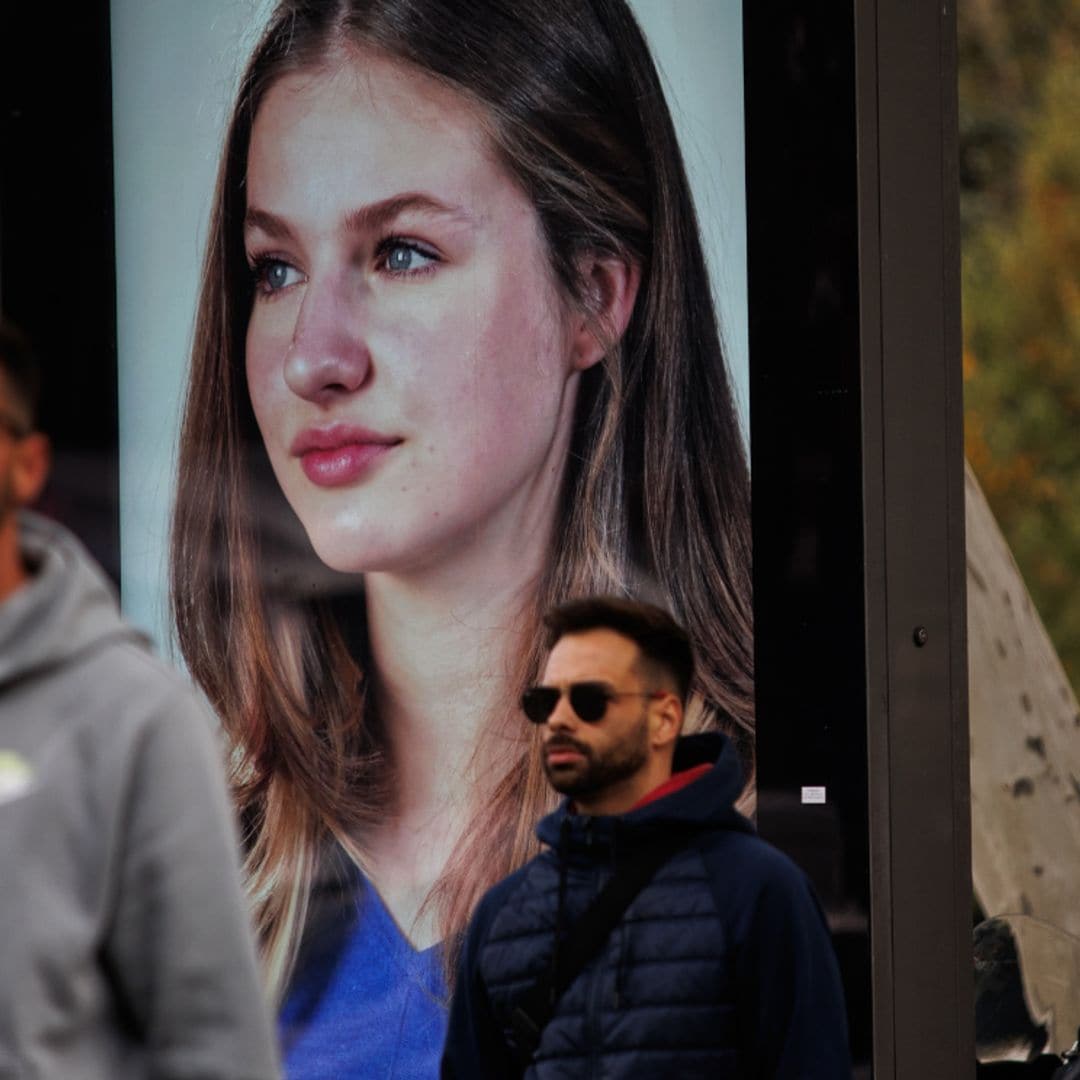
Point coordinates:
[(791, 1000), (742, 867), (124, 693), (510, 890), (152, 684), (755, 855)]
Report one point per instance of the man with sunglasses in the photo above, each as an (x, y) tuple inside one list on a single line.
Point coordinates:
[(657, 935), (125, 945)]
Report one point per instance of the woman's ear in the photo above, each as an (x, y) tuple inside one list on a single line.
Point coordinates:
[(610, 285)]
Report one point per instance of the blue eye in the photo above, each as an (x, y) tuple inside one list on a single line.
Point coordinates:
[(276, 276), (405, 257), (273, 275)]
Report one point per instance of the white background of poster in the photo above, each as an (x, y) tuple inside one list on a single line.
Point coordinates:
[(175, 68)]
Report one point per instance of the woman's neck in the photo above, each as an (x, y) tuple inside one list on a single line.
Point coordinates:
[(443, 666)]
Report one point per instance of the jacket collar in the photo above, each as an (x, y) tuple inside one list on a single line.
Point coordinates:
[(708, 803)]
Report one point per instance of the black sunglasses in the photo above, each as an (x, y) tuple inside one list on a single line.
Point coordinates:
[(588, 699)]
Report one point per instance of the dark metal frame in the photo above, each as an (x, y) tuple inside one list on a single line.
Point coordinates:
[(856, 426), (914, 514)]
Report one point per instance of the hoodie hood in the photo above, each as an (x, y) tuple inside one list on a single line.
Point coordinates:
[(67, 608), (706, 803)]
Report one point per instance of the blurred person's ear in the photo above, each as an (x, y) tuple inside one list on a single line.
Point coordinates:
[(665, 721), (610, 285), (30, 467)]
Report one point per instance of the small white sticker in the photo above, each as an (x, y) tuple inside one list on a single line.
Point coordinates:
[(813, 795)]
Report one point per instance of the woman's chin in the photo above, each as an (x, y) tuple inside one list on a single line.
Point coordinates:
[(365, 551), (436, 545), (349, 554)]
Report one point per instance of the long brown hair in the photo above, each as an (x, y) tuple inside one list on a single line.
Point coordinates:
[(656, 493)]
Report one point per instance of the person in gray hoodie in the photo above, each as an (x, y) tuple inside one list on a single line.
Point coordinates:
[(125, 946)]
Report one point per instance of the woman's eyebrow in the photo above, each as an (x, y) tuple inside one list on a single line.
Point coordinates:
[(377, 215), (366, 218), (275, 228)]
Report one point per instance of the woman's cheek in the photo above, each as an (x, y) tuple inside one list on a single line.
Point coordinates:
[(265, 347)]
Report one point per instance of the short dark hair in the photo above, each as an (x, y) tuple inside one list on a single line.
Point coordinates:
[(662, 641), (21, 372)]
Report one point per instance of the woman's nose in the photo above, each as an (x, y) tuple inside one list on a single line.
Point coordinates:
[(329, 354)]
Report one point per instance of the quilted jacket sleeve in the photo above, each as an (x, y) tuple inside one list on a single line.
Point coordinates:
[(475, 1046), (792, 1018)]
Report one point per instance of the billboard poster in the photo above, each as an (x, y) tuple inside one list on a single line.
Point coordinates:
[(453, 339)]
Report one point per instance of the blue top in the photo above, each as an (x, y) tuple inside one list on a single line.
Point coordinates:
[(363, 1002)]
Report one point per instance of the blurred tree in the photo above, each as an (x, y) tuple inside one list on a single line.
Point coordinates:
[(1020, 212)]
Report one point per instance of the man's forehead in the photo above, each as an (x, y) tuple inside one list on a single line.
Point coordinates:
[(592, 654)]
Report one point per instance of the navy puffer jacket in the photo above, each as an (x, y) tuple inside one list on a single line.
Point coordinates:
[(721, 966)]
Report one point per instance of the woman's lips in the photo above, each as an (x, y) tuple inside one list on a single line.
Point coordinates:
[(338, 455)]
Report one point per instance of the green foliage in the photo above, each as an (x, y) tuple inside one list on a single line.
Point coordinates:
[(1020, 209)]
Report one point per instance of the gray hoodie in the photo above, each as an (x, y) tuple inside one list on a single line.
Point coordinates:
[(125, 948)]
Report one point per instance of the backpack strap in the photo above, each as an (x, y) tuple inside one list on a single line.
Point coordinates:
[(537, 1004)]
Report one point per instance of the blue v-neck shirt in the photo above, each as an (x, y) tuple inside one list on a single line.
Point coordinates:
[(363, 1002)]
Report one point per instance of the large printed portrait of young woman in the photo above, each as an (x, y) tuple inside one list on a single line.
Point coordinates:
[(451, 337)]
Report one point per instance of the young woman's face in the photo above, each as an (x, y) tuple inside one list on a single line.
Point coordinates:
[(411, 367)]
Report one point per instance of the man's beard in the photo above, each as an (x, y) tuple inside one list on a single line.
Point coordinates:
[(598, 772)]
